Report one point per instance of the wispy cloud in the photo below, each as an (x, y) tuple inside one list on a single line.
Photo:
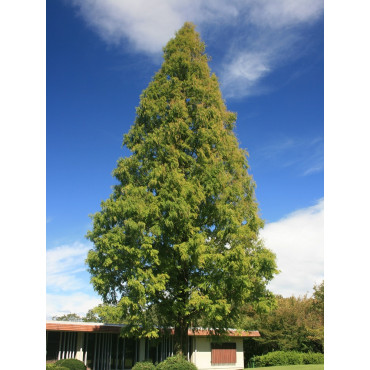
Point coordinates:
[(63, 266), (240, 75), (67, 281), (298, 241), (282, 13), (305, 156), (265, 34)]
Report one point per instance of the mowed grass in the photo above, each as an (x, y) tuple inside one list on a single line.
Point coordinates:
[(293, 367)]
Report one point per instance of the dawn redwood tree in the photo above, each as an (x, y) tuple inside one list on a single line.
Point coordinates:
[(177, 241)]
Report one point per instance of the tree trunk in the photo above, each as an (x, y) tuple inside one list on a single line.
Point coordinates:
[(181, 339)]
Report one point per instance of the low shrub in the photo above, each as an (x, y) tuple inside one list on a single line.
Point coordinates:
[(177, 362), (71, 364), (313, 358), (145, 365), (55, 367), (279, 358)]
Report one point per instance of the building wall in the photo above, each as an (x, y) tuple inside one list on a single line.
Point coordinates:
[(108, 351), (202, 356)]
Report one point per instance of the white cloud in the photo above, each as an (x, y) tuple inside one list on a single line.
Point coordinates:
[(67, 281), (63, 264), (148, 25), (79, 303), (276, 14), (298, 241), (261, 31), (240, 76)]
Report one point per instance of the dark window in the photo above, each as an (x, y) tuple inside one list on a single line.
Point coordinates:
[(131, 352), (52, 345), (151, 350), (90, 348), (223, 353)]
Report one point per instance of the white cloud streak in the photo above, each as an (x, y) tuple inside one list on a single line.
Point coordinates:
[(298, 241), (63, 263), (306, 155), (67, 281), (263, 31), (62, 304), (283, 13)]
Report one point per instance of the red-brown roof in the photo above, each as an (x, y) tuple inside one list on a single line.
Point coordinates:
[(85, 327), (116, 328)]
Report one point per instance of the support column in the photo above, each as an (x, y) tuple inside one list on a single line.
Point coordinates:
[(188, 346), (60, 345), (68, 344), (123, 354), (98, 358), (94, 363), (110, 352), (86, 343), (195, 351), (117, 352), (103, 351), (64, 345)]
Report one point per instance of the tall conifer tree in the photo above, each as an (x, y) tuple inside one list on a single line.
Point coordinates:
[(177, 244)]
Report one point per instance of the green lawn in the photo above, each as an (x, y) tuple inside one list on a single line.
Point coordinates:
[(293, 367)]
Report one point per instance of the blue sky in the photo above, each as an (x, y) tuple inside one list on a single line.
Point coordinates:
[(269, 57)]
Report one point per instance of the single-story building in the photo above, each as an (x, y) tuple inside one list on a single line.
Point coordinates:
[(101, 347)]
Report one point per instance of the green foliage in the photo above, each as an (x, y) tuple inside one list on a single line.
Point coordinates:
[(292, 324), (55, 367), (280, 358), (104, 313), (177, 362), (71, 364), (147, 365), (178, 240), (313, 358), (318, 304), (68, 317)]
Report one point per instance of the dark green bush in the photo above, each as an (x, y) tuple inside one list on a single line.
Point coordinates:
[(177, 362), (280, 358), (147, 365), (71, 364)]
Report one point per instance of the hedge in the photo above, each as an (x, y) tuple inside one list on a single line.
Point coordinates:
[(146, 365), (55, 367), (177, 362), (71, 364), (279, 358)]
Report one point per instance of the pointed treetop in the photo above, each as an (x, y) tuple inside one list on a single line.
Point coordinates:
[(185, 50)]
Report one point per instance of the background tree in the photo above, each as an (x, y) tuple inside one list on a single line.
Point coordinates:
[(104, 313), (68, 317), (178, 238), (292, 324), (318, 301)]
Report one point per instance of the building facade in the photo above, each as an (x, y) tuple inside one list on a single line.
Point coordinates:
[(101, 347)]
